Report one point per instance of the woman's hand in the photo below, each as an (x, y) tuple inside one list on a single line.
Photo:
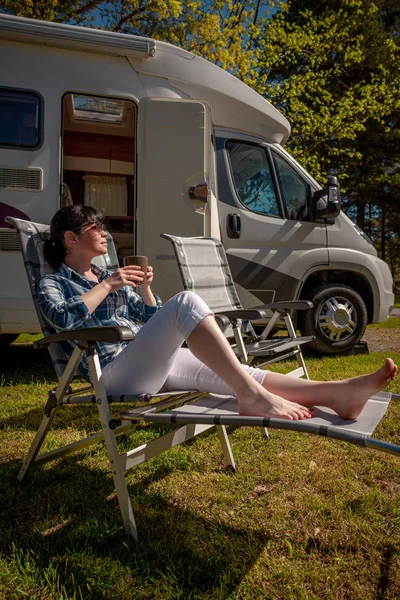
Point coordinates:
[(128, 275), (149, 277), (147, 294)]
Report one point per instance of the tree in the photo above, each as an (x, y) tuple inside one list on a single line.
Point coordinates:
[(332, 67), (219, 30)]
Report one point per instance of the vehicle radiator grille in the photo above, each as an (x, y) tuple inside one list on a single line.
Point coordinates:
[(9, 241), (23, 179)]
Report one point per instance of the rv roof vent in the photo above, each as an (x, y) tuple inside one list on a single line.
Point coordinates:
[(9, 241), (23, 179)]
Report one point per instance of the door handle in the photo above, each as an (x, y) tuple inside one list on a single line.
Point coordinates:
[(233, 226)]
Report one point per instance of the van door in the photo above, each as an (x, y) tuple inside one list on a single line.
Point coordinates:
[(263, 217), (174, 147)]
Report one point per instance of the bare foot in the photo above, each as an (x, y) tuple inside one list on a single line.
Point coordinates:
[(351, 399), (265, 404)]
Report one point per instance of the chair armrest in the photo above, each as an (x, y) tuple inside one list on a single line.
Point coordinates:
[(88, 334), (250, 314), (222, 321), (259, 312), (284, 306)]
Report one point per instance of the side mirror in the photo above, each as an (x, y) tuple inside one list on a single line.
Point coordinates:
[(325, 203), (334, 203)]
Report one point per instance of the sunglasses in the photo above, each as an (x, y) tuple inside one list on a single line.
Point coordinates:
[(99, 227)]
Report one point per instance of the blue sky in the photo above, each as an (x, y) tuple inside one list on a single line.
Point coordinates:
[(265, 9)]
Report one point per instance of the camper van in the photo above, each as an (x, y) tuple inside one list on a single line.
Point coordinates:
[(163, 141)]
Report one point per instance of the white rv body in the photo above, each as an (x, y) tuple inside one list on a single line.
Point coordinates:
[(183, 123)]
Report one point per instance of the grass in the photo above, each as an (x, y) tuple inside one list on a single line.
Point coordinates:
[(390, 323), (27, 338), (302, 518)]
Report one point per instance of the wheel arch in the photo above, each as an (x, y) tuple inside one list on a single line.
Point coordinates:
[(352, 279)]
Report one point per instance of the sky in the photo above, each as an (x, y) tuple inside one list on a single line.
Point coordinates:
[(265, 9)]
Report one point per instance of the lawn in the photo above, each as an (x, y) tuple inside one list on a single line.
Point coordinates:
[(391, 323), (302, 518)]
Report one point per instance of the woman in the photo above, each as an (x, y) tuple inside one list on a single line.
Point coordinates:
[(80, 294)]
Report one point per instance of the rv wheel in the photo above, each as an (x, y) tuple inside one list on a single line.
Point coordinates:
[(338, 319)]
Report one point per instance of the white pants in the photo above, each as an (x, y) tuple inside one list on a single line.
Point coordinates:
[(154, 361)]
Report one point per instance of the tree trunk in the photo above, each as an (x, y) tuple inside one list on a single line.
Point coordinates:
[(383, 232), (361, 214)]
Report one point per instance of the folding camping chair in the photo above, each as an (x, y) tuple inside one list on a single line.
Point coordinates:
[(204, 269), (31, 237), (194, 411)]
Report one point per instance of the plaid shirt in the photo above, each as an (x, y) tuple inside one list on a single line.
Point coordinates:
[(60, 300)]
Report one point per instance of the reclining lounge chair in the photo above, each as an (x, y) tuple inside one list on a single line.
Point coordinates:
[(204, 269), (194, 411)]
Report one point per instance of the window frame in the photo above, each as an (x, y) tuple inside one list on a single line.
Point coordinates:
[(41, 120), (266, 149), (307, 184), (281, 188)]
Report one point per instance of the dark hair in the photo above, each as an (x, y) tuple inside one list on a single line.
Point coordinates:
[(68, 218)]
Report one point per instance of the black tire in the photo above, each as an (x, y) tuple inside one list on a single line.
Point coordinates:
[(6, 339), (338, 319)]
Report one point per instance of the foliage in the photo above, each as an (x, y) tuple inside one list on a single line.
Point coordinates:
[(219, 31), (332, 68)]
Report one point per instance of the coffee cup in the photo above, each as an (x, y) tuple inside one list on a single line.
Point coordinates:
[(141, 261)]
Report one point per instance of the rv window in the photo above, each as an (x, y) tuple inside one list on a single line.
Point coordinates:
[(20, 119), (252, 177), (293, 189), (92, 108)]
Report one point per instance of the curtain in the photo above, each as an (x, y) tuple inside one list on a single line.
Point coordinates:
[(107, 194)]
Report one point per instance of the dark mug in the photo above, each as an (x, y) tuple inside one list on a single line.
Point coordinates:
[(141, 261)]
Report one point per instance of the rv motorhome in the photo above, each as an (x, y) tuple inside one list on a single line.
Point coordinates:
[(160, 141)]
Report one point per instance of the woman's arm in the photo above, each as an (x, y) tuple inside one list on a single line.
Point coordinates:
[(147, 295), (128, 275), (96, 295), (60, 312), (67, 309), (141, 308)]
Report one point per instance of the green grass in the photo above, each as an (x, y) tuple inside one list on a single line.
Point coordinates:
[(390, 323), (27, 338), (302, 518)]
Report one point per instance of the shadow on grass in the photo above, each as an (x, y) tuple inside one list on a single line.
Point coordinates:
[(21, 364), (66, 515), (58, 518)]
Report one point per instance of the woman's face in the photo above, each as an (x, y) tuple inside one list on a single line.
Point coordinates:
[(89, 240)]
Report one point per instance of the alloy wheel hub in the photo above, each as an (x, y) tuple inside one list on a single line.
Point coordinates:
[(337, 319)]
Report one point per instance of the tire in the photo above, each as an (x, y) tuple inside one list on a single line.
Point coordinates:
[(6, 339), (338, 319)]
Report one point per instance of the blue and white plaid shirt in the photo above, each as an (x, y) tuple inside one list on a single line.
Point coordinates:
[(60, 300)]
